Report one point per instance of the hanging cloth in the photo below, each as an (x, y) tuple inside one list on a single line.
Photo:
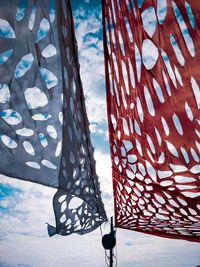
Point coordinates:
[(44, 130), (152, 51)]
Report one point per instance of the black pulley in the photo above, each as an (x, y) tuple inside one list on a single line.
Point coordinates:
[(109, 241)]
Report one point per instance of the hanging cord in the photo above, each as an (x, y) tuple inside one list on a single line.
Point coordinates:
[(107, 258), (115, 256)]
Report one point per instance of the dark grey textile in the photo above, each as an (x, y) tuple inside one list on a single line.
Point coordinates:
[(44, 131)]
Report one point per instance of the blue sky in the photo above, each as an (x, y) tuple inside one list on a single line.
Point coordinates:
[(26, 207)]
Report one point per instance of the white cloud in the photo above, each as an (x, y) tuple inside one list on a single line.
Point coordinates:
[(28, 208), (91, 58)]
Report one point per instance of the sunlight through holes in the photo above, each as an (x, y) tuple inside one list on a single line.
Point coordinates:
[(125, 77), (11, 116), (49, 78), (131, 124), (190, 14), (158, 91), (25, 132), (43, 139), (178, 168), (128, 28), (188, 112), (132, 158), (165, 126), (115, 66), (169, 67), (149, 20), (6, 31), (150, 143), (4, 56), (33, 164), (7, 141), (114, 122), (29, 148), (178, 75), (108, 37), (75, 203), (166, 183), (63, 206), (197, 143), (177, 124), (149, 101), (149, 54), (112, 37), (185, 155), (150, 155), (52, 7), (164, 174), (63, 218), (121, 43), (194, 154), (41, 117), (43, 30), (158, 136), (125, 126), (177, 50), (137, 127), (138, 146), (58, 149), (130, 174), (184, 30), (138, 62), (151, 171), (52, 131), (123, 98), (161, 158), (139, 110), (161, 10), (32, 18), (131, 72), (116, 93), (196, 91), (113, 10), (35, 98), (141, 168), (4, 93), (48, 164), (49, 51), (23, 65), (166, 84), (172, 149), (21, 10)]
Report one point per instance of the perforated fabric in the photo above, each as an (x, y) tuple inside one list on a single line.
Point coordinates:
[(44, 131), (152, 51)]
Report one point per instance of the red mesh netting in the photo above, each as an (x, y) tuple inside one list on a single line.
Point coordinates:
[(152, 54)]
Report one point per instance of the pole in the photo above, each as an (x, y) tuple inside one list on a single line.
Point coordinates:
[(109, 242), (111, 250)]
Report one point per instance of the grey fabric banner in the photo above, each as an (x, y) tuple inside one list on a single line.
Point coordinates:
[(44, 131)]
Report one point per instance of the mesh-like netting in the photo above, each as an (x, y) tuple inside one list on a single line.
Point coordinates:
[(152, 51), (44, 131)]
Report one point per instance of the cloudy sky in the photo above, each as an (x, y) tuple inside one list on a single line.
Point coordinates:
[(26, 207)]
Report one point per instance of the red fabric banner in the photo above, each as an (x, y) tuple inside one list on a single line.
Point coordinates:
[(152, 51)]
